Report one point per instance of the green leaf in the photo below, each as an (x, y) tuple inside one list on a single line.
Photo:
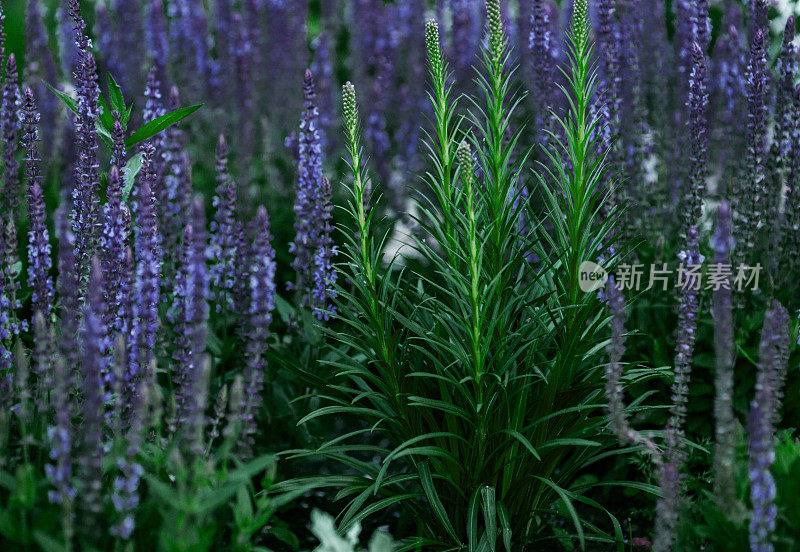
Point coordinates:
[(564, 495), (115, 93), (48, 543), (104, 134), (490, 515), (104, 117), (426, 479), (155, 126), (132, 168), (71, 103), (24, 495)]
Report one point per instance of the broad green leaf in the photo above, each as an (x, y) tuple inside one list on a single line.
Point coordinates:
[(132, 168), (105, 117), (115, 94), (104, 135), (155, 126)]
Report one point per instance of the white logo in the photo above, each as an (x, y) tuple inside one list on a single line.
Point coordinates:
[(591, 276)]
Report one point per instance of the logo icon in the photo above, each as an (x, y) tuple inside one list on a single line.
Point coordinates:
[(591, 276)]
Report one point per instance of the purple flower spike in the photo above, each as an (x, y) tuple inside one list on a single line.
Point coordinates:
[(95, 363), (261, 275), (780, 151), (698, 105), (156, 38), (39, 263), (147, 289), (8, 323), (731, 88), (749, 197), (85, 200), (114, 240), (9, 129), (40, 67), (190, 313), (724, 349), (324, 274), (59, 437), (323, 69), (541, 44), (761, 422), (310, 219), (223, 249), (176, 190), (68, 288), (791, 219)]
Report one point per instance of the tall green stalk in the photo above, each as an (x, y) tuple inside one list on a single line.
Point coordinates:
[(480, 370)]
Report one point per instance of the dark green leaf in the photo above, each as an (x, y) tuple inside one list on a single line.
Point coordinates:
[(155, 126)]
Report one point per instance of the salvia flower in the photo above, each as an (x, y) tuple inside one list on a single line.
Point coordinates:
[(191, 314), (85, 200), (9, 129), (323, 275), (95, 365), (698, 170), (113, 241), (59, 436), (261, 275), (307, 207), (618, 418), (724, 349), (773, 357), (148, 278), (780, 150), (39, 262), (223, 245), (176, 189), (68, 292), (749, 198)]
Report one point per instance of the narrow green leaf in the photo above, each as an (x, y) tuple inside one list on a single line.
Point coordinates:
[(489, 515), (570, 508), (426, 480), (71, 103), (155, 126)]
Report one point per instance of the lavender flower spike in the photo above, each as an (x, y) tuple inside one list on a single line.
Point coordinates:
[(68, 284), (39, 263), (148, 279), (191, 313), (773, 358), (724, 349), (618, 419), (324, 274), (749, 196), (261, 270), (59, 436), (698, 104), (95, 364), (113, 241), (85, 200), (308, 195), (223, 247), (9, 128)]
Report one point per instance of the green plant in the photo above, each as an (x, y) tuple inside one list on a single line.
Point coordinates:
[(703, 523), (482, 371), (323, 527)]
